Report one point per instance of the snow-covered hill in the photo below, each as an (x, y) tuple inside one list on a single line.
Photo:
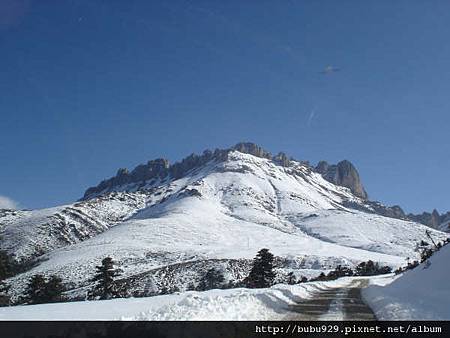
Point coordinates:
[(28, 234), (218, 211)]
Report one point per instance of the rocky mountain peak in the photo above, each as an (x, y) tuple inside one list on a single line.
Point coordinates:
[(252, 149), (344, 174)]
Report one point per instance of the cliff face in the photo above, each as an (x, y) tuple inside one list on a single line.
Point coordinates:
[(344, 174), (154, 169)]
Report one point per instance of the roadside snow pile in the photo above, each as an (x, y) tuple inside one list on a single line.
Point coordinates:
[(232, 304), (419, 294)]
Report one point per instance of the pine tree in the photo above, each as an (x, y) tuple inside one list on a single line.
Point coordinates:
[(39, 290), (321, 277), (290, 278), (371, 268), (4, 273), (5, 265), (303, 279), (340, 271), (213, 279), (4, 298), (386, 269), (35, 290), (53, 290), (366, 268), (106, 287), (261, 274)]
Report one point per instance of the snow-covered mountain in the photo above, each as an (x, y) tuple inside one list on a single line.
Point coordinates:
[(165, 225)]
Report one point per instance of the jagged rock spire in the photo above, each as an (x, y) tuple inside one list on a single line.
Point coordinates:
[(344, 174)]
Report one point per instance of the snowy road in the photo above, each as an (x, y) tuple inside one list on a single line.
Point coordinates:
[(334, 303), (333, 300)]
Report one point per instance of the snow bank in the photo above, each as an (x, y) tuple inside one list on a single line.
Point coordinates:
[(232, 304), (419, 294)]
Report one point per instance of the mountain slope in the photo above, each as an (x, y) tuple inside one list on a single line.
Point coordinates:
[(29, 234), (219, 213)]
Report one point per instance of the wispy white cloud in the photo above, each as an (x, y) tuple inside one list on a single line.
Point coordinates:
[(7, 203), (311, 116)]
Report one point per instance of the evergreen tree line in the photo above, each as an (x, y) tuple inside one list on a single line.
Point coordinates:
[(262, 274), (106, 285), (41, 289), (369, 268)]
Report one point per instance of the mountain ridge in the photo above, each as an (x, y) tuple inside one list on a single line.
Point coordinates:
[(344, 173)]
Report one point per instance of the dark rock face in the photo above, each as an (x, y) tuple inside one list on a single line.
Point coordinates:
[(156, 169), (394, 211), (282, 159), (322, 167), (252, 149), (433, 219), (153, 169), (397, 212), (343, 174)]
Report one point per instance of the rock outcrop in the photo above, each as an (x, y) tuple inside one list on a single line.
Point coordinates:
[(433, 219), (152, 170), (282, 159), (252, 149), (161, 169), (344, 174)]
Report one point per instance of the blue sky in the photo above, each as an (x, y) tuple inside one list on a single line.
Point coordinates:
[(87, 87)]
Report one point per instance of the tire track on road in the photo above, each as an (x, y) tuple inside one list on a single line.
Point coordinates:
[(334, 303)]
